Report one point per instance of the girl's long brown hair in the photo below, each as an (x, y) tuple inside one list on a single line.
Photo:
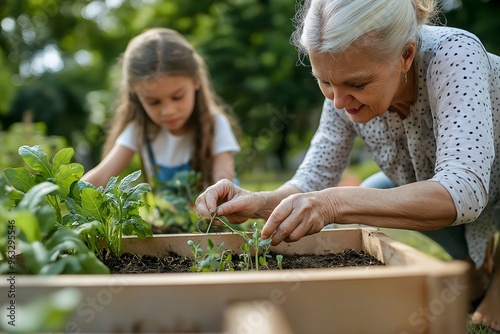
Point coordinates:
[(159, 52)]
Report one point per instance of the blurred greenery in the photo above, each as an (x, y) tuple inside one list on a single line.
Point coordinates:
[(58, 61), (48, 313), (30, 134)]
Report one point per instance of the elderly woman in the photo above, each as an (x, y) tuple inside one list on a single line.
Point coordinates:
[(425, 100)]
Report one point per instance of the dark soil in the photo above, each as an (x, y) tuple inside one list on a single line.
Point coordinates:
[(134, 264)]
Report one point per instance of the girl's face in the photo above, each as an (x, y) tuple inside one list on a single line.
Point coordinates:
[(168, 100), (362, 85)]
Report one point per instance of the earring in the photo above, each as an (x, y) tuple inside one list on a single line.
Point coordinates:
[(406, 77)]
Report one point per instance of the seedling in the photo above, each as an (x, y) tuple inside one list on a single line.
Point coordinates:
[(212, 259), (253, 243), (173, 203), (279, 260)]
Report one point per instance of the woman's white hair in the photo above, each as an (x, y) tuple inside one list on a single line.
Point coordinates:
[(382, 26)]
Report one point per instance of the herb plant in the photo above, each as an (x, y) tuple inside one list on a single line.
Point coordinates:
[(99, 215), (259, 246), (173, 203), (47, 248), (253, 244), (212, 259)]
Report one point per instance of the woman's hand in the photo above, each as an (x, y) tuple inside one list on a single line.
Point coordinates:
[(229, 200), (299, 215)]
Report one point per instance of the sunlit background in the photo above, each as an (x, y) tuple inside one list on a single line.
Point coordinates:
[(59, 69)]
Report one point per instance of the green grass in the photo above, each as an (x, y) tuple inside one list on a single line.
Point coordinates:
[(477, 329), (263, 181), (419, 241)]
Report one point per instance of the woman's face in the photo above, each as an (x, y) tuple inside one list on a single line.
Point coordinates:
[(362, 85), (168, 100)]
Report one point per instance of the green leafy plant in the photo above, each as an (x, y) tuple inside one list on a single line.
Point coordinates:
[(101, 216), (210, 259), (47, 249), (59, 171), (173, 203), (115, 208), (64, 252)]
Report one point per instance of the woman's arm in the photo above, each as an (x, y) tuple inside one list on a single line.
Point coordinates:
[(459, 96), (424, 205), (112, 165), (419, 206)]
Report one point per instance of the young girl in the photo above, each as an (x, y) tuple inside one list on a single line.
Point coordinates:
[(168, 114)]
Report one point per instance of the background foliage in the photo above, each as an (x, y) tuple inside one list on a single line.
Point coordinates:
[(58, 65)]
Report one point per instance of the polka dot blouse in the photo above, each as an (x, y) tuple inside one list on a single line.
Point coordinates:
[(451, 134)]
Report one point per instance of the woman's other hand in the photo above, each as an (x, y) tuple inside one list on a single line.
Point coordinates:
[(299, 215)]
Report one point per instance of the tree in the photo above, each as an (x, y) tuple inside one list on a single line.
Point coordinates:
[(479, 17), (72, 48)]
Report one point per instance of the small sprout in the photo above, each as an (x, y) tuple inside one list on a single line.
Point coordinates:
[(255, 243), (212, 259), (279, 260), (262, 261)]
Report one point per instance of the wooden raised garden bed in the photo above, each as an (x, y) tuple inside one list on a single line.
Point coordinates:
[(412, 293)]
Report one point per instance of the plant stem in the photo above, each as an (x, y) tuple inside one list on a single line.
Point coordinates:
[(256, 249)]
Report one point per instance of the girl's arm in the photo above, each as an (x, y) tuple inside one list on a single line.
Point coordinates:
[(112, 165), (223, 166)]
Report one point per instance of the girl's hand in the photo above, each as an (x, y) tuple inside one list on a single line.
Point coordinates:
[(229, 200), (299, 215)]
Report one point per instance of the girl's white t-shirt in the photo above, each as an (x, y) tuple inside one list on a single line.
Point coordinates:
[(175, 151)]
